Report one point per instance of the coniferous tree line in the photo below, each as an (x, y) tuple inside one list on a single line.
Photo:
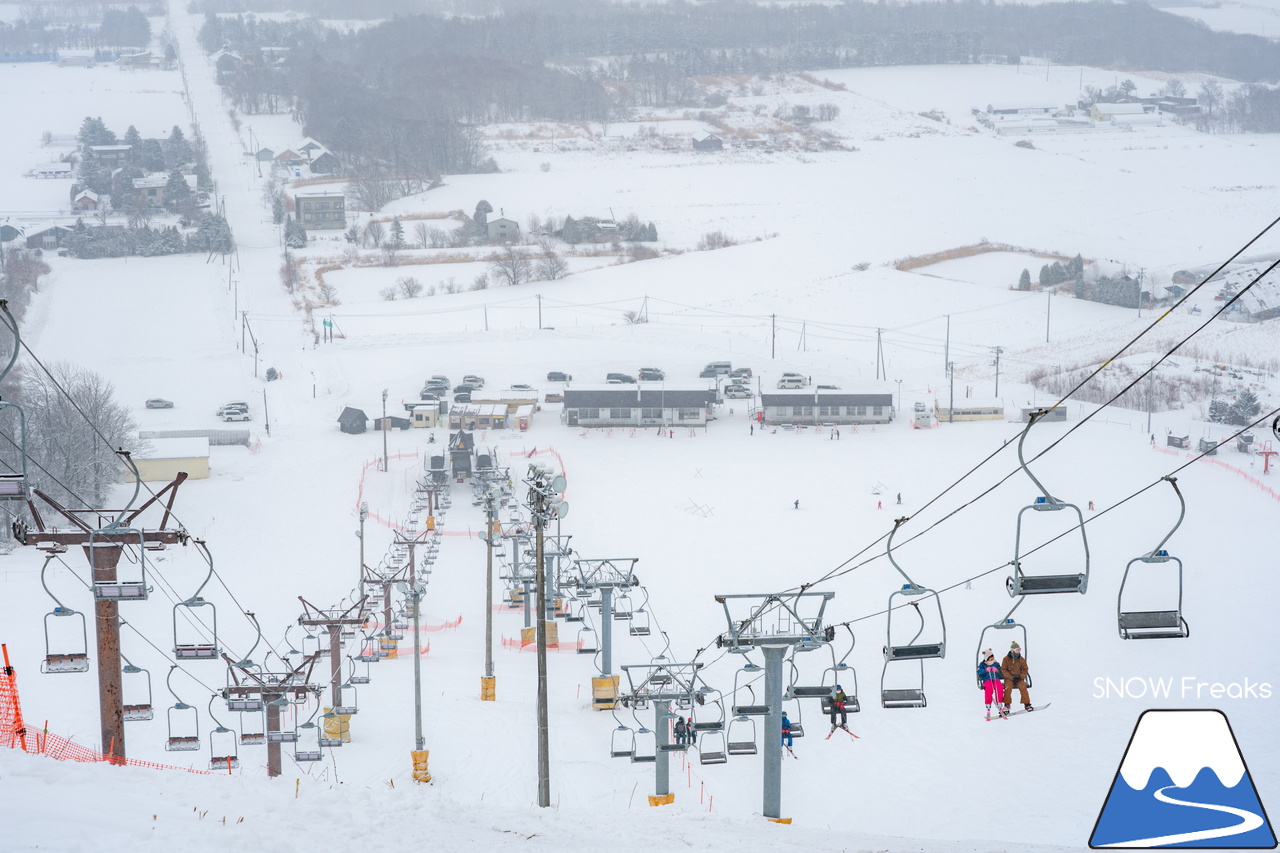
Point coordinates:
[(119, 28)]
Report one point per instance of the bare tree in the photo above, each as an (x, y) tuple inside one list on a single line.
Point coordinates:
[(328, 294), (512, 266), (290, 272), (552, 264), (61, 436), (408, 287), (373, 234), (422, 235)]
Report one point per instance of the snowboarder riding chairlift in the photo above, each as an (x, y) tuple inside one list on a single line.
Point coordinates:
[(1016, 674)]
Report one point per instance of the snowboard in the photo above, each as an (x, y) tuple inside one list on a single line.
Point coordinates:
[(1038, 709)]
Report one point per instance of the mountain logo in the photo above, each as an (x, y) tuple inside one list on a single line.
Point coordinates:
[(1183, 783)]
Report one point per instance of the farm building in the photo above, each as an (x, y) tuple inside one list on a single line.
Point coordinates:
[(318, 211), (634, 406), (168, 456), (826, 407)]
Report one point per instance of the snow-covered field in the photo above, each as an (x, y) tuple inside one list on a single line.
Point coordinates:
[(706, 513)]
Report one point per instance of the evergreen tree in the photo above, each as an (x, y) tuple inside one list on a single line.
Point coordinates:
[(652, 236), (204, 180), (1045, 276), (133, 139), (1219, 411), (1079, 286), (176, 149), (397, 234), (1245, 409), (1075, 266), (93, 131), (295, 234), (152, 157), (571, 232), (1024, 280), (177, 195)]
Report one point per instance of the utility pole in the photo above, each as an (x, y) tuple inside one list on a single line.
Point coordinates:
[(879, 355), (1048, 307), (104, 557), (266, 413), (1142, 271), (386, 465), (946, 349), (539, 310), (951, 406), (544, 503), (997, 351), (364, 514), (773, 336), (1150, 394)]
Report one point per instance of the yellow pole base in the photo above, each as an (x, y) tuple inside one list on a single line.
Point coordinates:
[(488, 688), (785, 820), (420, 773), (662, 799), (604, 692)]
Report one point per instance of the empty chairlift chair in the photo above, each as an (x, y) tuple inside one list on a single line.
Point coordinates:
[(645, 749), (742, 736), (184, 722), (186, 645), (587, 642), (69, 651), (640, 625), (141, 711), (744, 695), (253, 729), (223, 752), (1021, 583), (1155, 568), (622, 743), (928, 641)]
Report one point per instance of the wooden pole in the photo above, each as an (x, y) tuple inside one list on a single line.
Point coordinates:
[(103, 558), (273, 725)]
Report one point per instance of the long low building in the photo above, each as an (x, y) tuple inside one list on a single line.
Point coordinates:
[(826, 407), (638, 406)]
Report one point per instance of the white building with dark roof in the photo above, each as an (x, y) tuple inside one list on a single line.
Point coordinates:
[(638, 406), (814, 406)]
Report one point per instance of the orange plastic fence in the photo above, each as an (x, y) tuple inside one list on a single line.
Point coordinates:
[(14, 733), (517, 645), (1233, 469)]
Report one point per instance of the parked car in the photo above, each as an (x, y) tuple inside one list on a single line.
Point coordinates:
[(558, 376), (919, 407), (522, 388), (828, 387), (708, 373), (741, 375), (430, 394), (472, 379), (157, 403), (791, 381), (738, 392), (462, 397), (465, 386), (435, 388), (719, 366), (651, 374), (236, 415), (553, 397), (438, 379), (620, 377), (233, 406)]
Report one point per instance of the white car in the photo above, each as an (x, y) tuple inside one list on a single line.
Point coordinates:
[(236, 415), (738, 392)]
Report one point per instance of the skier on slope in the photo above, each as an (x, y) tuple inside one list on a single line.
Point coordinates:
[(837, 707), (992, 681), (787, 740), (1016, 674)]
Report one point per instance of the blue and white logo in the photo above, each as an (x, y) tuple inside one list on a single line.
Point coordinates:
[(1183, 783)]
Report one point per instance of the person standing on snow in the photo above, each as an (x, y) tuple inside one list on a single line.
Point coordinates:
[(1016, 674), (797, 503), (992, 681)]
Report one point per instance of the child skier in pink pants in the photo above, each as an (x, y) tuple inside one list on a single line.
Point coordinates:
[(992, 681)]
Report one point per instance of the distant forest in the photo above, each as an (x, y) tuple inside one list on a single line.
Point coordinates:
[(119, 28), (406, 92)]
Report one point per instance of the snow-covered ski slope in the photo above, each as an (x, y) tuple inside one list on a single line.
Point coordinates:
[(705, 513)]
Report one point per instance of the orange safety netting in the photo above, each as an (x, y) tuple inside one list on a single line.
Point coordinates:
[(375, 625), (14, 733), (1210, 460), (519, 645)]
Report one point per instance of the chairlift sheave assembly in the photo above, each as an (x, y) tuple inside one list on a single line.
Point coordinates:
[(1166, 624)]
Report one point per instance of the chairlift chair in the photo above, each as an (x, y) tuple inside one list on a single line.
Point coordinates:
[(325, 739), (712, 720), (711, 748), (74, 660), (347, 705), (640, 624), (751, 672), (742, 736), (622, 742), (622, 607), (368, 651), (1020, 583), (253, 733), (578, 611), (646, 746), (142, 711), (1155, 624), (120, 590), (184, 728), (302, 750), (587, 642), (797, 719), (1015, 629), (227, 757), (935, 646), (357, 677)]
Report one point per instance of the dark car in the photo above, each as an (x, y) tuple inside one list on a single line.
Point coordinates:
[(708, 373), (558, 376), (464, 388), (462, 397), (652, 374), (620, 377)]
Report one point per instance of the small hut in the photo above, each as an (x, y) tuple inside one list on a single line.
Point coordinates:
[(352, 421)]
